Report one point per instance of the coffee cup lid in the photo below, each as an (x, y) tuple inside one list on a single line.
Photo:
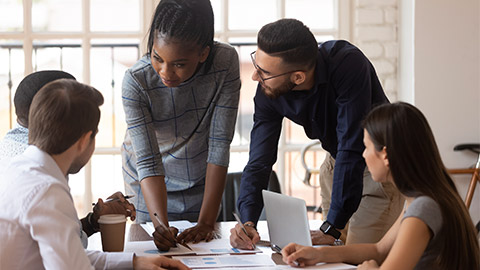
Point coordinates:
[(112, 219)]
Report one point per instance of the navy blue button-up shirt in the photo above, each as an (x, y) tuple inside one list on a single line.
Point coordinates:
[(346, 88)]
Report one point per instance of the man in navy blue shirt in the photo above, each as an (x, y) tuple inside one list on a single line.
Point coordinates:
[(327, 89)]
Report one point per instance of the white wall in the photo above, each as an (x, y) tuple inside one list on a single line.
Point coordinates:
[(374, 28), (446, 70)]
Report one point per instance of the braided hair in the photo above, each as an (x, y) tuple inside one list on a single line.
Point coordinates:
[(184, 20)]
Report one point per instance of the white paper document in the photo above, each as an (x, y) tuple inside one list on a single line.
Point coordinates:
[(217, 246), (181, 225), (226, 261), (148, 248)]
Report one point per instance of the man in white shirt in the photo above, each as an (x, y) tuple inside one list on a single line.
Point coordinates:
[(39, 227), (16, 141)]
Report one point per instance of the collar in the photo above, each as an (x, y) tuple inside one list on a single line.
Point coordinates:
[(44, 160)]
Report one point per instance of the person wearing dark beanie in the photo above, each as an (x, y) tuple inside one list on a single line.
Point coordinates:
[(16, 139)]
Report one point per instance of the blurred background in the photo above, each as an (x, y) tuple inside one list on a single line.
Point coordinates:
[(98, 40)]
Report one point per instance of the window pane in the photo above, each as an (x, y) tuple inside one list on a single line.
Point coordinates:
[(11, 73), (247, 92), (294, 176), (62, 54), (238, 160), (324, 38), (57, 15), (76, 182), (115, 15), (316, 14), (106, 176), (109, 61), (251, 14), (217, 14), (11, 16)]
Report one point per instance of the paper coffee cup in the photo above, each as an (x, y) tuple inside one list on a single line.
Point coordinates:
[(112, 230)]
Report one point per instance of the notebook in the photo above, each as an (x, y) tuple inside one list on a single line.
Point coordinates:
[(287, 220)]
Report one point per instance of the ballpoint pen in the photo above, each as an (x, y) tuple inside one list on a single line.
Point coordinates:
[(163, 226), (241, 225), (116, 199), (279, 250)]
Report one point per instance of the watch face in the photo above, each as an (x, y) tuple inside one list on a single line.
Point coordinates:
[(324, 226), (327, 228)]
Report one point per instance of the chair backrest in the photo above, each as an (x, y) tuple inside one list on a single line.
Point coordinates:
[(232, 190)]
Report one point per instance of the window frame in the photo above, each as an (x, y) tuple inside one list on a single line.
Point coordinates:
[(341, 30)]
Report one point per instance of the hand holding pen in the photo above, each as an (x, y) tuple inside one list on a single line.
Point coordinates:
[(164, 237), (239, 237), (114, 199), (115, 204)]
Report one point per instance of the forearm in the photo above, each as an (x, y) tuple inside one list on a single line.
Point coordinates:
[(250, 202), (155, 193), (212, 196), (353, 254)]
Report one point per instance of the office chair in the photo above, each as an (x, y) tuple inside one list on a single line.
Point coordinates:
[(232, 190)]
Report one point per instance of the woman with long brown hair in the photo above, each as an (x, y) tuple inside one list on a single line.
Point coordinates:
[(435, 230)]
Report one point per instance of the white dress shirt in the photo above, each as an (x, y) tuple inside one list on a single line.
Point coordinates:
[(39, 228)]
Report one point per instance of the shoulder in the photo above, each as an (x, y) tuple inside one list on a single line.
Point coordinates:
[(224, 49), (141, 70), (141, 64), (141, 75), (335, 47), (27, 183), (224, 54), (342, 52), (427, 210), (10, 148)]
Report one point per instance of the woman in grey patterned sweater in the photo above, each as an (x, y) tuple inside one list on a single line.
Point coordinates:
[(180, 102)]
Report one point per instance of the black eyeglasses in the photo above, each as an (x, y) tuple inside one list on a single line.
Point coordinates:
[(258, 69)]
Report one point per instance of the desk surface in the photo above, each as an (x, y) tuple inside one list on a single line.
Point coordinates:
[(135, 232)]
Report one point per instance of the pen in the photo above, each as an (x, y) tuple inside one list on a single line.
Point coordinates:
[(163, 226), (276, 248), (116, 199), (241, 225), (279, 250)]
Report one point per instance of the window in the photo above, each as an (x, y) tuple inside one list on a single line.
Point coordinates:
[(97, 40)]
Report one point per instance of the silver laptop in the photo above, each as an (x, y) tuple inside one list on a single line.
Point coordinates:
[(286, 219)]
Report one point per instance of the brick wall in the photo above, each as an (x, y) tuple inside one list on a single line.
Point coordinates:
[(375, 24)]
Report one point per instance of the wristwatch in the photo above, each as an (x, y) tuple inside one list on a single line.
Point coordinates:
[(250, 224), (328, 228)]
